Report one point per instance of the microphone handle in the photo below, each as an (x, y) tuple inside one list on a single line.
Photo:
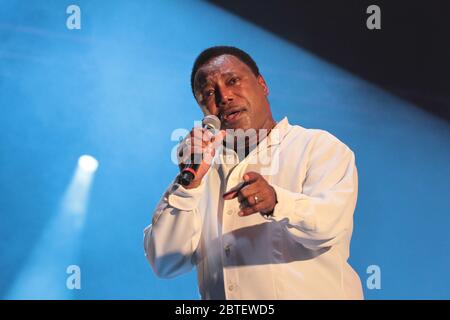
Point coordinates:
[(188, 174)]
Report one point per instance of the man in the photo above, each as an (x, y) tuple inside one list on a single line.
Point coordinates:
[(285, 233)]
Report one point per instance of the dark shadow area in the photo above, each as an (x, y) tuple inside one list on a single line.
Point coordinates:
[(408, 57)]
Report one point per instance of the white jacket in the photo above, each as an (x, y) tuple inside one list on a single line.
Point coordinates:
[(299, 253)]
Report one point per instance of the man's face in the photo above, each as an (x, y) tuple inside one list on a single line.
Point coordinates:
[(226, 87)]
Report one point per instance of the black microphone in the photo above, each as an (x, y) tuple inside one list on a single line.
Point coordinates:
[(210, 123)]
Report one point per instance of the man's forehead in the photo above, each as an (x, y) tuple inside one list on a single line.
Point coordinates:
[(221, 65)]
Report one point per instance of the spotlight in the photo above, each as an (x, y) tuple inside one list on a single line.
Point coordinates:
[(44, 277), (88, 163)]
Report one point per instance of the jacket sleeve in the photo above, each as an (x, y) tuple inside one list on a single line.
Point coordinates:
[(322, 213), (171, 240)]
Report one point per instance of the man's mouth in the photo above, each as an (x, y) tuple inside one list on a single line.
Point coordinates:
[(232, 115)]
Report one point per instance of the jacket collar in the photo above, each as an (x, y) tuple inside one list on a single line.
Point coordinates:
[(278, 133), (275, 137)]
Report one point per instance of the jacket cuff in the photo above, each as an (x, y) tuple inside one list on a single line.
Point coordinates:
[(293, 206), (285, 203), (185, 199)]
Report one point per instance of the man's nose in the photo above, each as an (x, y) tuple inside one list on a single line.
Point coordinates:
[(224, 97)]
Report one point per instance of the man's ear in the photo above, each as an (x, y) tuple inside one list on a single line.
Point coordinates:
[(263, 84)]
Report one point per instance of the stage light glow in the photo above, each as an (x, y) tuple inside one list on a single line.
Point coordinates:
[(44, 276), (88, 163)]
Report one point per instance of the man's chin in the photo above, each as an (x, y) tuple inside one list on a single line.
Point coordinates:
[(242, 124)]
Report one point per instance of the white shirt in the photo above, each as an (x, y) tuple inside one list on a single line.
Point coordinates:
[(299, 253)]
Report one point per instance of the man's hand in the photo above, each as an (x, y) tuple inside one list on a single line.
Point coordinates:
[(256, 196), (202, 143)]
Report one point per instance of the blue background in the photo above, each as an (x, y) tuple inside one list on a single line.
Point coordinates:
[(117, 88)]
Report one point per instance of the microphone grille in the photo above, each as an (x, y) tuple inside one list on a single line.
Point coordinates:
[(211, 122)]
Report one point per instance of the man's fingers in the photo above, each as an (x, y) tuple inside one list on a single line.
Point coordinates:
[(260, 206), (202, 134), (251, 176), (193, 144), (220, 135), (234, 192), (251, 200), (250, 190), (196, 132), (208, 156), (207, 135), (198, 141), (230, 195), (255, 196)]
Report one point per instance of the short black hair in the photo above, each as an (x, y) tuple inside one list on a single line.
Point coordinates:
[(216, 51)]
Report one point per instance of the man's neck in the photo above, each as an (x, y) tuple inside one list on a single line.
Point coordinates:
[(261, 133)]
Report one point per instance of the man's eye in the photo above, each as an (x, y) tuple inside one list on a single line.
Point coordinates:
[(233, 81), (208, 93)]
